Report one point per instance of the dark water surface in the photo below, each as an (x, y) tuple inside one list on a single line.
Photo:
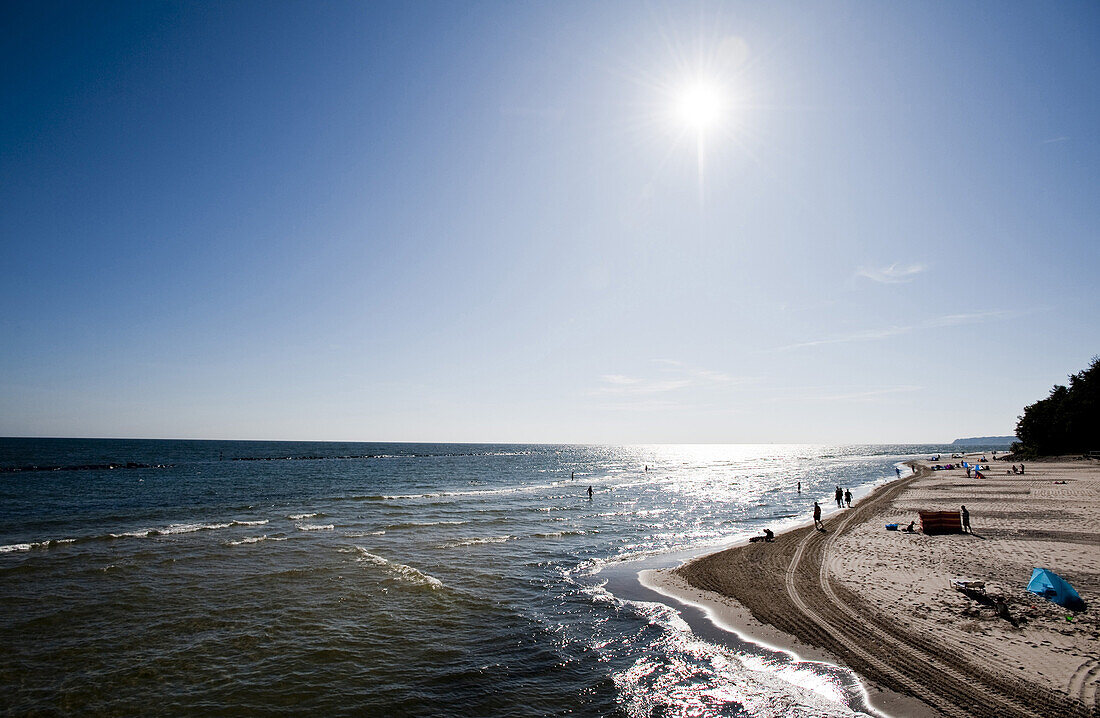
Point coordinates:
[(390, 579)]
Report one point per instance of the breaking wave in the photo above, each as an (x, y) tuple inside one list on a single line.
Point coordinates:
[(255, 539), (477, 541), (399, 571), (12, 547)]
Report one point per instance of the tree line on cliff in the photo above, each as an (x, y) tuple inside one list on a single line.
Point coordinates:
[(1067, 421)]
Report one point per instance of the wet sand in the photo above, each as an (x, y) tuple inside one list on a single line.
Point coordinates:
[(881, 602)]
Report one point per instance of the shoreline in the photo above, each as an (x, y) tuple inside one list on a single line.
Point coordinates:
[(730, 615), (880, 604), (733, 617)]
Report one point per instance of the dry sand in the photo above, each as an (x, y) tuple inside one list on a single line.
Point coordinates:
[(881, 602)]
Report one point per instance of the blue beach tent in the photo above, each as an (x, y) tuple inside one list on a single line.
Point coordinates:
[(1054, 588)]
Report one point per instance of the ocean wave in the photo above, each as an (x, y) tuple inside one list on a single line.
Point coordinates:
[(13, 547), (82, 467), (299, 517), (470, 493), (315, 457), (421, 524), (559, 534), (363, 534), (174, 529), (255, 539), (477, 541), (315, 527), (678, 671), (401, 572)]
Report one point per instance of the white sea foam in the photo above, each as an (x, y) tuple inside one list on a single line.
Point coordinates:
[(315, 527), (174, 529), (478, 540), (684, 670), (361, 534), (559, 534), (400, 571), (476, 493), (255, 539), (11, 548), (422, 524), (299, 517)]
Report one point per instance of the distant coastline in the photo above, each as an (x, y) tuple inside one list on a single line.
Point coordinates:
[(985, 442)]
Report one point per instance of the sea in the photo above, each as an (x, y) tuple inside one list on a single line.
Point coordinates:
[(228, 578)]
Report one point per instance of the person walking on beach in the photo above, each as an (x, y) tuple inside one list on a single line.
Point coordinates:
[(589, 493), (897, 471), (839, 498), (800, 487), (848, 497), (966, 521), (817, 517)]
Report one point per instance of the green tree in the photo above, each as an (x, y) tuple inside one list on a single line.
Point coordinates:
[(1067, 421)]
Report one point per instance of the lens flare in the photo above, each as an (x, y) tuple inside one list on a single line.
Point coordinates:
[(700, 105)]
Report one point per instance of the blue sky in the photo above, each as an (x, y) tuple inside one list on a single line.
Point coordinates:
[(483, 222)]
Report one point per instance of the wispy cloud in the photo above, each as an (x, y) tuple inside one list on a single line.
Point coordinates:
[(867, 335), (619, 379), (618, 384), (673, 375), (896, 273), (1052, 140), (845, 394), (951, 320), (869, 394), (641, 405)]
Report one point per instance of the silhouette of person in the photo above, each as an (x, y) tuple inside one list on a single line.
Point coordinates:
[(817, 517), (768, 535), (897, 471), (848, 498), (572, 475), (800, 487), (839, 498), (966, 520), (589, 492)]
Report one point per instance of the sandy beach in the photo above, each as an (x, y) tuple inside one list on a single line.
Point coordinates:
[(882, 602)]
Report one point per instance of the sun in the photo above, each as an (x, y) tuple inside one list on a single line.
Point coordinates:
[(700, 105)]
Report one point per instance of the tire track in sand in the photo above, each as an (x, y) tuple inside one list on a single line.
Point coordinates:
[(1085, 682), (786, 584), (820, 542), (915, 665)]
